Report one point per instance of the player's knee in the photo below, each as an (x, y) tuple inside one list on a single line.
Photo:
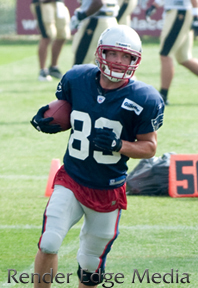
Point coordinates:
[(50, 242), (88, 262)]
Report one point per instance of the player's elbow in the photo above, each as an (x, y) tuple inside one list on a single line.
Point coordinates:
[(147, 144), (151, 149)]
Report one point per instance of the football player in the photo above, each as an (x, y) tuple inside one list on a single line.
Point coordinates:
[(53, 20), (180, 24), (90, 20), (113, 118)]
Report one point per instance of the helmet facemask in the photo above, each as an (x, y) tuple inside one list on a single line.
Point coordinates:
[(120, 38), (108, 67)]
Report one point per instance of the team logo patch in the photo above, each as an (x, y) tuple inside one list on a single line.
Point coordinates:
[(160, 106), (89, 31), (59, 87), (157, 122), (100, 99), (131, 106)]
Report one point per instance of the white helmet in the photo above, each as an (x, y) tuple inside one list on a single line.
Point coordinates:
[(119, 38)]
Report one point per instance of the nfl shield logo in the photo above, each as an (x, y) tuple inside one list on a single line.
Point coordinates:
[(100, 99)]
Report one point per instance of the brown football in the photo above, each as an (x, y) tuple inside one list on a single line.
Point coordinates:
[(60, 110)]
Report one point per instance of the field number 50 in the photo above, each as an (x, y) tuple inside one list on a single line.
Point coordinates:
[(183, 175)]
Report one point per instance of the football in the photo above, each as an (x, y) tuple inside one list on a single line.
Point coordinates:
[(60, 110)]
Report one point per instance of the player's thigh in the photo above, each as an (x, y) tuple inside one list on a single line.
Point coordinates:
[(185, 40), (61, 213), (169, 20), (175, 32), (126, 9), (63, 209), (38, 12), (48, 11), (62, 24), (184, 53), (97, 235)]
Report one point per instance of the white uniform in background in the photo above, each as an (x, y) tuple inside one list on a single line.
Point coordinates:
[(126, 9), (175, 4), (86, 38)]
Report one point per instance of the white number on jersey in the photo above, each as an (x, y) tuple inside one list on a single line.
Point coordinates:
[(83, 135)]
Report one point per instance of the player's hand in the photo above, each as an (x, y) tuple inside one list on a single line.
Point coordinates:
[(195, 25), (149, 12), (107, 140), (76, 18), (42, 124), (74, 23)]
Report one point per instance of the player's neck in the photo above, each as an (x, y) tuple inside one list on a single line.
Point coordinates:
[(107, 84)]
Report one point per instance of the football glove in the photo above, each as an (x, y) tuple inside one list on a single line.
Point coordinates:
[(149, 12), (76, 18), (195, 25), (107, 140), (42, 124)]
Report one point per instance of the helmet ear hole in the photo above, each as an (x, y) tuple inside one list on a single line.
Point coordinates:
[(120, 38)]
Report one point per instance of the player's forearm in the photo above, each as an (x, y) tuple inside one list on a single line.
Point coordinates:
[(139, 149), (194, 3), (94, 7)]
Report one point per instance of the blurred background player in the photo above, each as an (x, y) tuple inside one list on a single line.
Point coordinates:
[(176, 40), (126, 9), (53, 22), (113, 118), (90, 20)]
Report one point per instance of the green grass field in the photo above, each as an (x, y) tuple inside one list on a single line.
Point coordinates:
[(156, 233)]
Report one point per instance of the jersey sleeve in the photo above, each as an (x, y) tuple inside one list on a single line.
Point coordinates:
[(151, 118), (63, 91), (71, 79)]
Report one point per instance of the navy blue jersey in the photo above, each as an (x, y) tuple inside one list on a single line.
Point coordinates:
[(134, 109)]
